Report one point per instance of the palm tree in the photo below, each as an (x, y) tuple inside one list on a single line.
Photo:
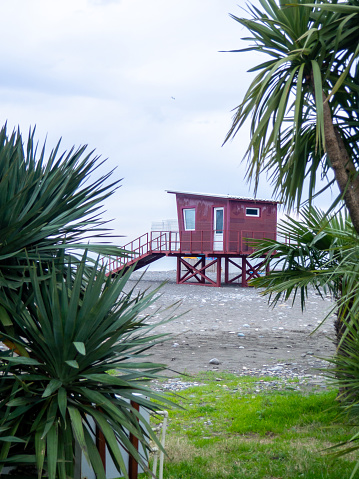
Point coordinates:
[(304, 110), (303, 103), (322, 252), (318, 251)]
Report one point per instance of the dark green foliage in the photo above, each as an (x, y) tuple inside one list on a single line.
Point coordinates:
[(303, 108), (73, 337), (322, 251), (65, 324), (316, 250), (345, 373), (47, 205), (311, 49), (46, 202)]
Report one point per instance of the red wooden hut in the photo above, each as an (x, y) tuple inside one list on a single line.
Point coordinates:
[(209, 226)]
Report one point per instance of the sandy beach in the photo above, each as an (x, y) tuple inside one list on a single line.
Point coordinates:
[(236, 327)]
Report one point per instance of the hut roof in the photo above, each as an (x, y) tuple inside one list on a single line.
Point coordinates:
[(228, 197)]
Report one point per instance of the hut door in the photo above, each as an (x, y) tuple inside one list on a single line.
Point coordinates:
[(218, 216)]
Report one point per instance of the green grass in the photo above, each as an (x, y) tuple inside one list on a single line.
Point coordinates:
[(229, 431)]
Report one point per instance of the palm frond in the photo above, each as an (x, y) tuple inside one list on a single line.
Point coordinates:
[(312, 61), (317, 250)]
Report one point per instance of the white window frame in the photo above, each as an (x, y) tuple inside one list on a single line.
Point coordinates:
[(253, 208), (185, 219), (215, 226)]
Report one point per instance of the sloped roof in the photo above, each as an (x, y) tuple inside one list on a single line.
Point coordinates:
[(227, 197)]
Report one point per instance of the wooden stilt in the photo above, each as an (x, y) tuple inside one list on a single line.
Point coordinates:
[(178, 273), (244, 272), (219, 272), (226, 270), (203, 265)]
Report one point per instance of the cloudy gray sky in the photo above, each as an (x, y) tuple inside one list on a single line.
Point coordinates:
[(143, 83)]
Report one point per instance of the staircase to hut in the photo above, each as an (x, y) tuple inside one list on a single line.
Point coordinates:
[(144, 250)]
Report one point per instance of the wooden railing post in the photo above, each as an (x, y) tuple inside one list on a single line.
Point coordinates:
[(132, 463), (101, 444)]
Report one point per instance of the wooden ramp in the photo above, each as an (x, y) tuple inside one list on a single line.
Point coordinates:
[(144, 250), (194, 259)]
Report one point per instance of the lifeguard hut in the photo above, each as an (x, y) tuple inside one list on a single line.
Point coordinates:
[(212, 229)]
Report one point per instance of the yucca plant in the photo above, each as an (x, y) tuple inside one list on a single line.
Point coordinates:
[(76, 331), (47, 203), (65, 325)]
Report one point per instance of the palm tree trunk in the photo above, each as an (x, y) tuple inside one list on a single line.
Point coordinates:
[(344, 170), (347, 180)]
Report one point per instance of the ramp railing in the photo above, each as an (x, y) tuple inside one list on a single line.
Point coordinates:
[(146, 244)]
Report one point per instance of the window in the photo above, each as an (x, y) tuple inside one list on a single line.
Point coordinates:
[(189, 218), (252, 212)]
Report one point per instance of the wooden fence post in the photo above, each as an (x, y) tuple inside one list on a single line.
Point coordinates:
[(132, 463)]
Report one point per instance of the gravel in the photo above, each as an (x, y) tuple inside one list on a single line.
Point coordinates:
[(236, 327)]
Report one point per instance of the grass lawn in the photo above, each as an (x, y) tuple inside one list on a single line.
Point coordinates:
[(233, 428)]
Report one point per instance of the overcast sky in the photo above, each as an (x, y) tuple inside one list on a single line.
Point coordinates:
[(143, 83)]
